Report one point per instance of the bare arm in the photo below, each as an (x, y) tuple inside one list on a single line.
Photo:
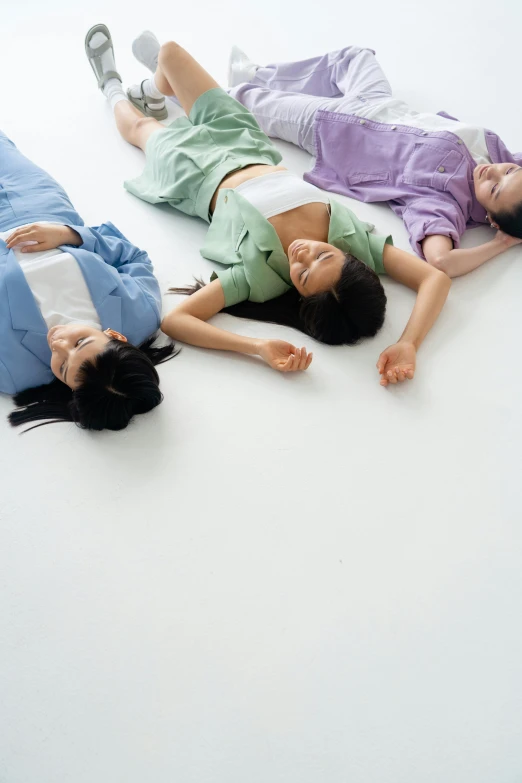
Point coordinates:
[(398, 361), (188, 323), (439, 252)]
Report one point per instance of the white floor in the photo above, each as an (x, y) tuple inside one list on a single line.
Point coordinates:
[(269, 579)]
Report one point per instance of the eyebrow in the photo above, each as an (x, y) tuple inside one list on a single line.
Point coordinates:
[(499, 190), (86, 342)]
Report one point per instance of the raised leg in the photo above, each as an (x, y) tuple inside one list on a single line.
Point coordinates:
[(179, 74)]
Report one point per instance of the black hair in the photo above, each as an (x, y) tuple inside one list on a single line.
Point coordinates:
[(354, 308), (510, 222), (114, 386)]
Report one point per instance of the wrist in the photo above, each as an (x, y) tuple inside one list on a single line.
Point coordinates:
[(71, 237), (256, 345), (408, 341)]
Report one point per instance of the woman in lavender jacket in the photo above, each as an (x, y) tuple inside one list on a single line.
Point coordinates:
[(439, 175)]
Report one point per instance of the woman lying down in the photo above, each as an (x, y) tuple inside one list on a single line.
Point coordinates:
[(292, 254)]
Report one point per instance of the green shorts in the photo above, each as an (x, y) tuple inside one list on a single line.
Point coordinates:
[(186, 161)]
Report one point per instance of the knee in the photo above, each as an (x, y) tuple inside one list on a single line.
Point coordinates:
[(439, 262), (142, 122), (169, 51), (140, 129)]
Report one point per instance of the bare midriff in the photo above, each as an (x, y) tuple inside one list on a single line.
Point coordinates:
[(310, 221)]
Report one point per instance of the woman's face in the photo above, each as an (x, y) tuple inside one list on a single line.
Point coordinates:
[(498, 186), (73, 344), (314, 266)]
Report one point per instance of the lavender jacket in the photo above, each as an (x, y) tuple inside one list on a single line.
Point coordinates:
[(425, 176)]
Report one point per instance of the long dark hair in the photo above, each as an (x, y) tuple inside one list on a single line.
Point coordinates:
[(114, 386), (353, 309)]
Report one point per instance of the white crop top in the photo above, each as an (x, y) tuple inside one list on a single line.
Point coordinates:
[(280, 191), (57, 284)]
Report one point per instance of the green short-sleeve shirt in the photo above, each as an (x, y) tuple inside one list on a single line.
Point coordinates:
[(258, 269)]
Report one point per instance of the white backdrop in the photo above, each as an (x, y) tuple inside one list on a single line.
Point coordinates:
[(269, 579)]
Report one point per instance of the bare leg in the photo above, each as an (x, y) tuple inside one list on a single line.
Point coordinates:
[(179, 74), (133, 126)]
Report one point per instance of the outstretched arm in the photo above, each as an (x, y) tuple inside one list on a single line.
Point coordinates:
[(188, 323), (439, 252), (397, 363)]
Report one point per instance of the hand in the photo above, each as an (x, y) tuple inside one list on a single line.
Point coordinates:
[(506, 240), (284, 356), (397, 363), (38, 237)]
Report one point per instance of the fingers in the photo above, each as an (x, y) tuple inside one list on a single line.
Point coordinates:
[(300, 360), (381, 362), (303, 364), (397, 375), (21, 235), (35, 247), (32, 236), (288, 365), (293, 362)]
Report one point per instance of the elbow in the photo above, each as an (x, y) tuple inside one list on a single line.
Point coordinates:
[(442, 263), (168, 325)]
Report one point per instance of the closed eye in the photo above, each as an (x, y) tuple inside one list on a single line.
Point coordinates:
[(323, 254), (495, 189)]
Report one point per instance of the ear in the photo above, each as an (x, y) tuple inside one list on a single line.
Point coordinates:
[(115, 335), (491, 222)]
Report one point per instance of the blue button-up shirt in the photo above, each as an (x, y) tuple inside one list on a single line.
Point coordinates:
[(119, 275)]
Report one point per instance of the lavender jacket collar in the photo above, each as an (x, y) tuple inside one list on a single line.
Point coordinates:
[(425, 176)]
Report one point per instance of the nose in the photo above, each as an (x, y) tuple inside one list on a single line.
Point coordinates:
[(58, 344)]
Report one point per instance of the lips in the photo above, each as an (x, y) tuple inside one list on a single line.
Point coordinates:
[(482, 170)]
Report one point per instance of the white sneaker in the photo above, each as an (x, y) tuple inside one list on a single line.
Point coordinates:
[(145, 49), (240, 67)]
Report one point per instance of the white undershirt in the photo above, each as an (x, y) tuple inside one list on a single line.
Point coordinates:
[(57, 284), (280, 191), (392, 111)]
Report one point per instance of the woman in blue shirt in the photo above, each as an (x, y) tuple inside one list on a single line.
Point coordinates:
[(74, 304)]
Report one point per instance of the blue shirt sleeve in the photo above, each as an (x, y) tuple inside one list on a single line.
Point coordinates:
[(116, 250)]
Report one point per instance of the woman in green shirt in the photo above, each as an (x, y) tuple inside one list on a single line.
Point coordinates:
[(290, 255)]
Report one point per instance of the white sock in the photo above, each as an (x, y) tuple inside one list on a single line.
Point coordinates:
[(107, 57), (146, 49), (240, 67), (149, 88), (113, 89), (114, 92)]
